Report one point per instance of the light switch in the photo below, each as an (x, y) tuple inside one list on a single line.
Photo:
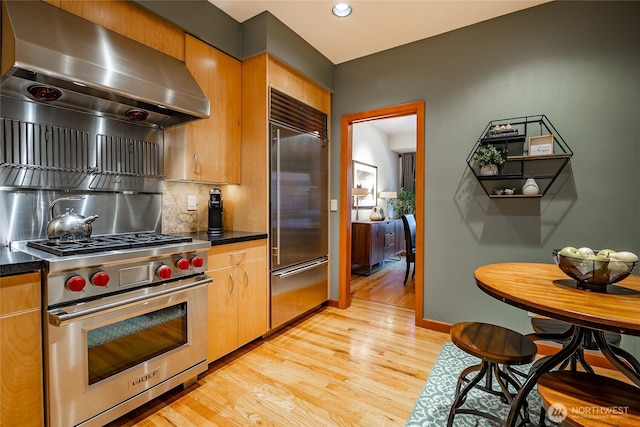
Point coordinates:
[(191, 203), (334, 205)]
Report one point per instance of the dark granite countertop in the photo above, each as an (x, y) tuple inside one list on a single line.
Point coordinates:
[(14, 262), (228, 236)]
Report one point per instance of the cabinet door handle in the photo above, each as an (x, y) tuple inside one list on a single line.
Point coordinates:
[(246, 279), (237, 253), (195, 166), (233, 283)]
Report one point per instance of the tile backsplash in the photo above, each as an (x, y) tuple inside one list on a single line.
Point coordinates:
[(175, 216)]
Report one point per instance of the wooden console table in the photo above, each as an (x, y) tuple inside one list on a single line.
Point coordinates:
[(374, 241)]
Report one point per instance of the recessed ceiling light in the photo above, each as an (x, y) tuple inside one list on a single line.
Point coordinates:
[(341, 10)]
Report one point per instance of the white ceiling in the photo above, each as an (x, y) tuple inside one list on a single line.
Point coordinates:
[(401, 132), (374, 25), (396, 125)]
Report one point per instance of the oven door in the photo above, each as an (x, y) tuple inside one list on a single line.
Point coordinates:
[(108, 356)]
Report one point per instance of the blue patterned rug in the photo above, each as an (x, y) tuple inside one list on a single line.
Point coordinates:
[(432, 407)]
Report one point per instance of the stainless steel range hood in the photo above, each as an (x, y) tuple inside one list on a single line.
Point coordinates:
[(92, 69)]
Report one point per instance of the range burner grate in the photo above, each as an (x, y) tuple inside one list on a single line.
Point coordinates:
[(107, 243)]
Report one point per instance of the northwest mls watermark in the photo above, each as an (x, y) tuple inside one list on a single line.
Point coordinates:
[(557, 412)]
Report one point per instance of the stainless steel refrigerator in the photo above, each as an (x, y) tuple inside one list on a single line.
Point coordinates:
[(299, 192)]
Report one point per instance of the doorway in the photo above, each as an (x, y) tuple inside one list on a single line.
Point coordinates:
[(346, 168)]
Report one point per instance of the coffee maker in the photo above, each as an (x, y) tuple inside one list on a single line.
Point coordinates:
[(215, 212)]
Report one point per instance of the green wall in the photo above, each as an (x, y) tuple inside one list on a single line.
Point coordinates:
[(576, 62)]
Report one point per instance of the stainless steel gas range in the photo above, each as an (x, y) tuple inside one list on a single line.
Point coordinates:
[(125, 320), (125, 312)]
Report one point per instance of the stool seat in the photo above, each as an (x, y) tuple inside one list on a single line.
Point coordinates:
[(590, 400), (498, 349)]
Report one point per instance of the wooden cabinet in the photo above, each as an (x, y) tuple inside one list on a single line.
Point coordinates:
[(129, 20), (238, 296), (21, 376), (208, 150), (375, 241)]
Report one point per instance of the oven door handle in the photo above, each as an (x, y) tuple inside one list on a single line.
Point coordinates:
[(59, 317)]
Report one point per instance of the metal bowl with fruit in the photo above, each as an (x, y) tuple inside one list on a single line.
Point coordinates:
[(602, 267)]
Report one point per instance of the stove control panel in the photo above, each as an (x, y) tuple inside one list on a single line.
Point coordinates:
[(89, 282)]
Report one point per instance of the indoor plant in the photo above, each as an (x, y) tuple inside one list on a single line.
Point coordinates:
[(405, 203), (488, 158)]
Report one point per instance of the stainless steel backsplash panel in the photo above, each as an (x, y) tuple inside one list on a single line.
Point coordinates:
[(24, 214), (47, 153)]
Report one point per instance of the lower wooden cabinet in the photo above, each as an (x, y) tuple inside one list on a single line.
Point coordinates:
[(21, 375), (238, 296), (375, 241)]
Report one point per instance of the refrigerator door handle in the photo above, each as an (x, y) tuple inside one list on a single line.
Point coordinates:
[(277, 248), (302, 268)]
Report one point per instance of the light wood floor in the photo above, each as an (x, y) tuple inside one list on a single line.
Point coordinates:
[(363, 366), (385, 285)]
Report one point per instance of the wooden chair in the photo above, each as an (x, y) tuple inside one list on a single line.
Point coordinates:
[(409, 222), (498, 349), (590, 400)]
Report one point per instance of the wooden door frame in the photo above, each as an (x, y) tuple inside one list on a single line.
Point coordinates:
[(346, 172)]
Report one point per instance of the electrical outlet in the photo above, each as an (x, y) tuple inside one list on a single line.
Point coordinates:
[(334, 205), (191, 203)]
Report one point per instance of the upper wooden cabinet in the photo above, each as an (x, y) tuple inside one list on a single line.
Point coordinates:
[(131, 21), (208, 150)]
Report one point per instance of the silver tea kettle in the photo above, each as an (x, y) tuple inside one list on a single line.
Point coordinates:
[(70, 226)]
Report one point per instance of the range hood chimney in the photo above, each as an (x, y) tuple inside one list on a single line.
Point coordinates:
[(53, 57)]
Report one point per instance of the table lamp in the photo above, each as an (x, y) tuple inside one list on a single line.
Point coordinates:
[(386, 195), (357, 193)]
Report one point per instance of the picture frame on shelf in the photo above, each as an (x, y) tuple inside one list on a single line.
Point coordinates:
[(366, 176), (541, 145)]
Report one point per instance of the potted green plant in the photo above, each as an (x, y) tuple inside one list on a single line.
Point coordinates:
[(488, 158), (405, 203)]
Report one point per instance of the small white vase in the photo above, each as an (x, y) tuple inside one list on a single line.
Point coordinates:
[(489, 170), (530, 188), (375, 215)]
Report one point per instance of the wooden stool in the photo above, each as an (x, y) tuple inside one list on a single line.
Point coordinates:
[(494, 346), (589, 399), (542, 325)]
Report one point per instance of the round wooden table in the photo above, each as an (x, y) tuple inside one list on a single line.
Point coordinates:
[(544, 289)]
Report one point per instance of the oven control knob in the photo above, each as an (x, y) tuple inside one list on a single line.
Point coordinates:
[(183, 264), (164, 272), (76, 283), (100, 279), (197, 261)]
